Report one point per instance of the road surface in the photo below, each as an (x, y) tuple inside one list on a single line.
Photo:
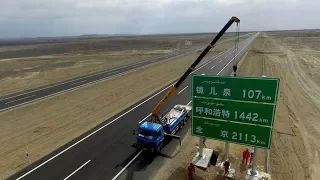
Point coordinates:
[(105, 151), (28, 96)]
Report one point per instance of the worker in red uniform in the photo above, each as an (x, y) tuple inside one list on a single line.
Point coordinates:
[(226, 166), (191, 171), (245, 156)]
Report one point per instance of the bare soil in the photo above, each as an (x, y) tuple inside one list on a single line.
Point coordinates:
[(43, 126), (33, 64), (294, 57)]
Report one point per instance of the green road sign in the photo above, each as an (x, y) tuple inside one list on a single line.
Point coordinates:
[(246, 134), (242, 107), (236, 88), (234, 111)]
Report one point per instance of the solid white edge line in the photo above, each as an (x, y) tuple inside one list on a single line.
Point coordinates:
[(76, 170), (182, 89), (91, 134), (111, 70), (19, 99), (125, 167), (111, 122), (233, 58), (144, 118)]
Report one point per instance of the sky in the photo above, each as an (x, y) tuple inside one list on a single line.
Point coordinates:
[(43, 18)]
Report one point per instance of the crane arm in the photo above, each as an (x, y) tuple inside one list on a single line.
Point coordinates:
[(156, 110)]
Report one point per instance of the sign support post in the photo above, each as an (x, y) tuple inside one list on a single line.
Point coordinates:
[(226, 148), (200, 147), (254, 163)]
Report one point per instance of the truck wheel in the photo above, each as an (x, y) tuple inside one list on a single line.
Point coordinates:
[(181, 124), (159, 147)]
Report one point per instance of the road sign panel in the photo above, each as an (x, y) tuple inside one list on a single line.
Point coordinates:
[(244, 112), (243, 107), (259, 136), (236, 88)]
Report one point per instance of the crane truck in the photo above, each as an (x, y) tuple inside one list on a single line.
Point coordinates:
[(152, 133)]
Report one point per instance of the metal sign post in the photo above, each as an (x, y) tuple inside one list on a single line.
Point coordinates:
[(254, 161), (200, 147), (226, 148)]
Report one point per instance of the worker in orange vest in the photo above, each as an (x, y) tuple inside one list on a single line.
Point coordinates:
[(245, 156), (191, 171)]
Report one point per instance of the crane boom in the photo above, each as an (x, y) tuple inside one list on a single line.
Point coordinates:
[(156, 110)]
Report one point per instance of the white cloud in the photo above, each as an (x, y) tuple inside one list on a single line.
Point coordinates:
[(21, 18)]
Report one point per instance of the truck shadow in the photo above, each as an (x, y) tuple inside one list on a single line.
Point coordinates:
[(148, 163)]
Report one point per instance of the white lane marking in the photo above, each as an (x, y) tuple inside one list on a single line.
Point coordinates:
[(19, 99), (78, 82), (45, 162), (212, 67), (110, 70), (125, 167), (76, 170), (189, 102), (182, 89), (92, 82), (92, 133), (220, 61), (107, 71), (233, 58), (226, 57), (144, 118)]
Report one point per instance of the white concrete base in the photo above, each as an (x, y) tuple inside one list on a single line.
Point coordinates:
[(204, 160), (250, 173), (258, 176)]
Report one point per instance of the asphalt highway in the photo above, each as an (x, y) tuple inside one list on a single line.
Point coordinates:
[(106, 151), (28, 96)]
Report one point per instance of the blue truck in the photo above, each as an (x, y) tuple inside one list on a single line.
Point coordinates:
[(151, 135)]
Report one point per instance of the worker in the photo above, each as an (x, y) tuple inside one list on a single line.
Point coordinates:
[(191, 171), (251, 156), (245, 156), (226, 166)]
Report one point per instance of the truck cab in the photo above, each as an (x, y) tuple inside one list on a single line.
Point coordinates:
[(151, 135)]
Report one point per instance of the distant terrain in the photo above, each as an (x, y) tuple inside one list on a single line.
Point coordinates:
[(31, 63)]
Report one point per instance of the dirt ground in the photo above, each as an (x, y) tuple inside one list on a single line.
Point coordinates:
[(41, 63), (38, 129), (294, 57)]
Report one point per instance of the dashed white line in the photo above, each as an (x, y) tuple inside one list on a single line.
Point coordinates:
[(78, 82), (182, 90), (144, 118), (125, 167), (19, 99), (233, 58), (212, 67), (76, 170)]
